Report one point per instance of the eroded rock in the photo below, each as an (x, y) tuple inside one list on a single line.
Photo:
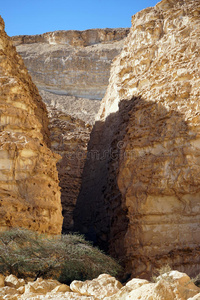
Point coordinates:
[(75, 63), (71, 70), (170, 286), (30, 194), (13, 281), (101, 287), (143, 186)]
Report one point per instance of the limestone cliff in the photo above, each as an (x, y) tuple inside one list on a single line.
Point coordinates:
[(29, 190), (141, 187), (75, 63), (71, 70)]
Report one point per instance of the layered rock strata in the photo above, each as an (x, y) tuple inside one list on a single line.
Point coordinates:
[(69, 138), (141, 189), (71, 70), (75, 63), (29, 188), (67, 66)]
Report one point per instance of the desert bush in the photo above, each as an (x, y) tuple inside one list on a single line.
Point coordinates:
[(25, 253)]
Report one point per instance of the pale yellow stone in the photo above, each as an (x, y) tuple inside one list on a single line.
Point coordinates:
[(103, 286), (8, 292), (41, 286), (13, 281), (149, 119), (21, 289), (61, 288), (2, 280), (196, 297), (57, 296), (28, 173)]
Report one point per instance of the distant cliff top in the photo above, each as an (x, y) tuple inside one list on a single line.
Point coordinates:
[(74, 37)]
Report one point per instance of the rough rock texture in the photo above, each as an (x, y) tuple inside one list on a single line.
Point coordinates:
[(29, 190), (141, 191), (75, 63), (69, 138), (79, 108), (103, 286), (170, 286), (71, 70)]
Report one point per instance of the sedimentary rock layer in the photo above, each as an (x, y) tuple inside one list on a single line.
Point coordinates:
[(141, 191), (71, 70), (69, 138), (67, 66), (29, 189), (75, 63)]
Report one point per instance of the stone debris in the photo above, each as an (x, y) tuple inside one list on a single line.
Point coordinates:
[(172, 285)]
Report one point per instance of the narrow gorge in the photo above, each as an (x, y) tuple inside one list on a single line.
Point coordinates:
[(71, 70), (141, 187), (129, 165)]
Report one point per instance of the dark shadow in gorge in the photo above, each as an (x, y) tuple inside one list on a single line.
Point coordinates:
[(101, 212)]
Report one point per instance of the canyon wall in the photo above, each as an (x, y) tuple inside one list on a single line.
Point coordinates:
[(71, 70), (69, 138), (141, 185), (73, 63), (29, 188)]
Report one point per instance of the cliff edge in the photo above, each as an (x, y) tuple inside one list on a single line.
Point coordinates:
[(141, 186), (29, 190)]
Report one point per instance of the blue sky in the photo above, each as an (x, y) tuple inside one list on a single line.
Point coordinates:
[(39, 16)]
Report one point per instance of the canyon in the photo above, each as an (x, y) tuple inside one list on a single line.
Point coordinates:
[(140, 192), (129, 180), (71, 70)]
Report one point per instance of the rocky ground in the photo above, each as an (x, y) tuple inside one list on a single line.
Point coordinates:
[(172, 285)]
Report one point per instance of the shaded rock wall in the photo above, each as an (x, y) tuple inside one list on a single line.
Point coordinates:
[(67, 66), (69, 138), (140, 193), (29, 190)]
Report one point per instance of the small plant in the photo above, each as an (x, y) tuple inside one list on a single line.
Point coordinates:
[(25, 253), (195, 280), (160, 272)]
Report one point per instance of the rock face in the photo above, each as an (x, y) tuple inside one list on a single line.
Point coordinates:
[(170, 286), (75, 63), (141, 189), (69, 138), (29, 190), (71, 70)]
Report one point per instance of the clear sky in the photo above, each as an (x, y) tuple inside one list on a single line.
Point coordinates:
[(24, 17)]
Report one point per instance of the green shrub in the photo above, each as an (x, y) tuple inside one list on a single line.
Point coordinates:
[(25, 253)]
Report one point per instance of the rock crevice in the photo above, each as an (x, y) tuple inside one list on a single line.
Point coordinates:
[(149, 118)]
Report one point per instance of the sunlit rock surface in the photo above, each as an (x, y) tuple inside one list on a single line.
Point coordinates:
[(170, 286), (71, 70), (75, 63), (29, 189), (140, 193)]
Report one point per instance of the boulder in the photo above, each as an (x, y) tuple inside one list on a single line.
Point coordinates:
[(101, 287)]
